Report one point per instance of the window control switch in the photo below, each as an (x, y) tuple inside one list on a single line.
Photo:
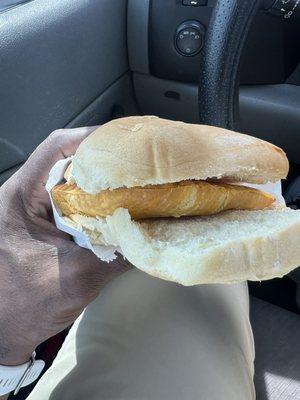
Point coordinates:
[(194, 3)]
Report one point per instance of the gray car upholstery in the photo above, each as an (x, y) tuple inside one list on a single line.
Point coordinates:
[(57, 58), (277, 347)]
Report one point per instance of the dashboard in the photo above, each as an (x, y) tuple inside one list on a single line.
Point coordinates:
[(177, 34), (165, 41)]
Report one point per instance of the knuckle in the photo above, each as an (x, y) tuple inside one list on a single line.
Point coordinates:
[(78, 290), (57, 137), (88, 284), (57, 133)]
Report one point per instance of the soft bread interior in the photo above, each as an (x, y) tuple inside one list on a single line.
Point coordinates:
[(230, 247)]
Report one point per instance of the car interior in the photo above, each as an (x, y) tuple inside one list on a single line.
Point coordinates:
[(74, 63)]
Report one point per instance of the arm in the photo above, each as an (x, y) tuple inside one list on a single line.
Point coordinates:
[(46, 280)]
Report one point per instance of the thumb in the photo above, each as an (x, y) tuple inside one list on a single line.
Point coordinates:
[(32, 177), (60, 144)]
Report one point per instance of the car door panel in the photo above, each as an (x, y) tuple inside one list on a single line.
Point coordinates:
[(57, 59)]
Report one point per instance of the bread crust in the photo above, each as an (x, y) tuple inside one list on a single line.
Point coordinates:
[(187, 198), (147, 150)]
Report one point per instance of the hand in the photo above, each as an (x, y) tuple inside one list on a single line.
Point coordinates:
[(46, 280)]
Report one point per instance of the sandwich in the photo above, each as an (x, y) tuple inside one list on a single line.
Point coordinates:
[(176, 200)]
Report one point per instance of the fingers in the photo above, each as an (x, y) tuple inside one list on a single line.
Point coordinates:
[(31, 178), (60, 144)]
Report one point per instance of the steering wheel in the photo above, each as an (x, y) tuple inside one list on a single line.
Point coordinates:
[(219, 74), (219, 80)]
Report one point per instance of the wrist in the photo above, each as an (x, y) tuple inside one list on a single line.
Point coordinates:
[(13, 378), (16, 360), (15, 355)]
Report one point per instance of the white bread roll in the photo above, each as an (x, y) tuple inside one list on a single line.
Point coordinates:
[(230, 247), (140, 151)]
